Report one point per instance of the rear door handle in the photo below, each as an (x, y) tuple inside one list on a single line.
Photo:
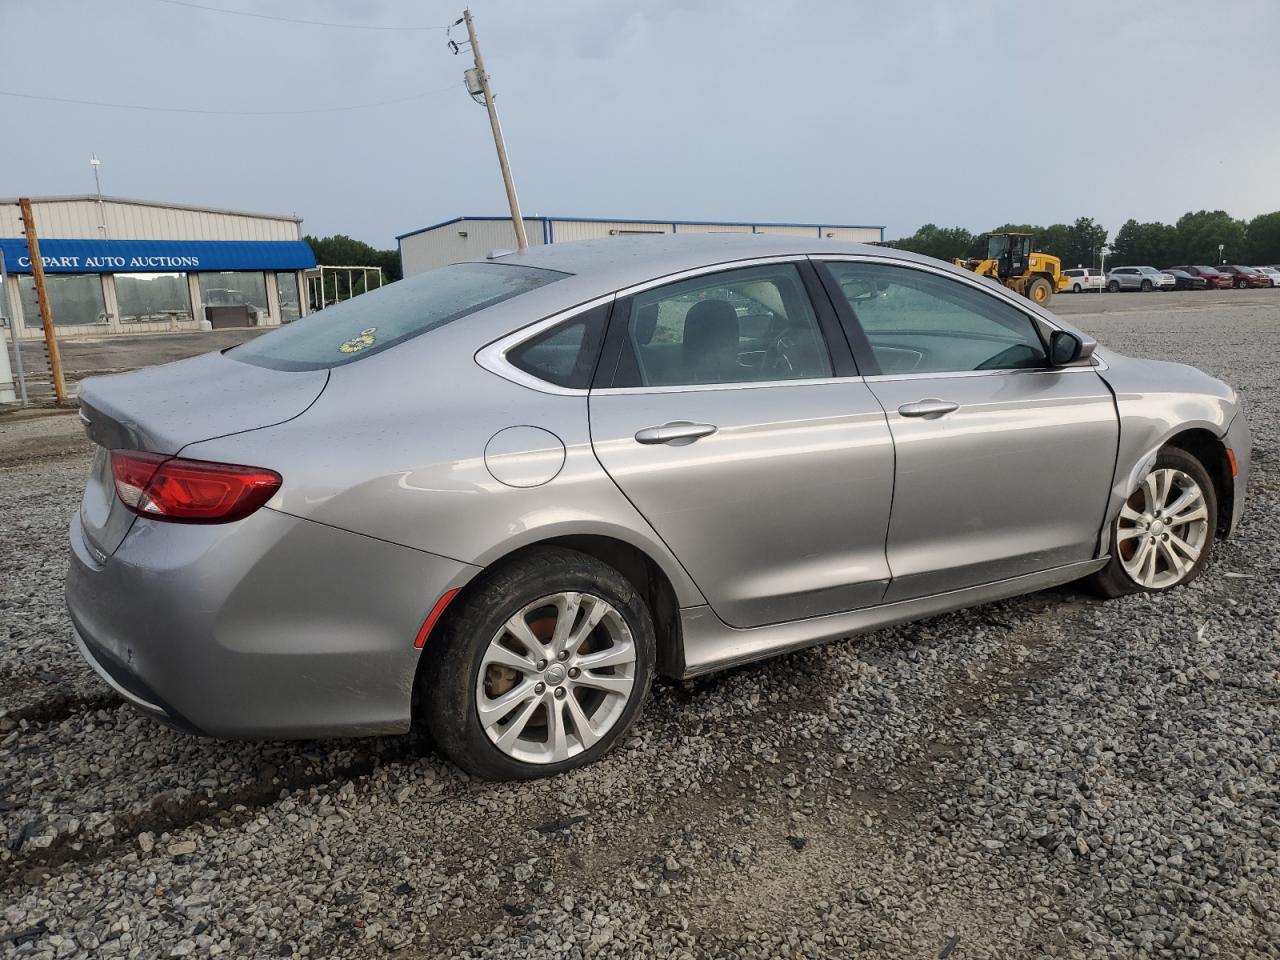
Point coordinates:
[(677, 433), (930, 409)]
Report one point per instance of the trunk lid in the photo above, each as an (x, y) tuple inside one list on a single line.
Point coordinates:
[(163, 409)]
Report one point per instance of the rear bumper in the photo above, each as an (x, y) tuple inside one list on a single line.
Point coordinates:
[(269, 627)]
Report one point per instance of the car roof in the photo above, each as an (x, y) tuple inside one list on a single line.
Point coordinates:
[(616, 262)]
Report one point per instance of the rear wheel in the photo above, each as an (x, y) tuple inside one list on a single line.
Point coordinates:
[(1163, 535), (545, 663), (1075, 288), (1039, 290), (1113, 286)]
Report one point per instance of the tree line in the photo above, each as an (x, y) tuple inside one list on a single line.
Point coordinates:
[(1194, 239), (341, 250)]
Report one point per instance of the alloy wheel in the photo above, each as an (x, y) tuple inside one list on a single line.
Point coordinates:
[(556, 677), (1163, 529)]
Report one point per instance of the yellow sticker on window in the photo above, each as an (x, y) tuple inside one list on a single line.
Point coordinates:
[(361, 342)]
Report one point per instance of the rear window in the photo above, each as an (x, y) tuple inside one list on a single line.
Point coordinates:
[(372, 322)]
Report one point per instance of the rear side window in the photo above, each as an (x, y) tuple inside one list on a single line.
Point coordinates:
[(566, 354), (753, 324), (372, 322)]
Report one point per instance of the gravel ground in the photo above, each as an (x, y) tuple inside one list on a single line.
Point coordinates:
[(1048, 776)]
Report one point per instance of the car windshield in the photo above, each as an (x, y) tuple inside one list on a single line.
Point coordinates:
[(372, 322), (1208, 270)]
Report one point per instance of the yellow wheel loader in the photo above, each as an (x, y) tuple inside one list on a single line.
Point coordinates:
[(1010, 261)]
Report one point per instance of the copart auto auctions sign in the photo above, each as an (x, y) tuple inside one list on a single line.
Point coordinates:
[(111, 263)]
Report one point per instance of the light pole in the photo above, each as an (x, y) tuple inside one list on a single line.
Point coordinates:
[(97, 182), (1103, 252), (1221, 258)]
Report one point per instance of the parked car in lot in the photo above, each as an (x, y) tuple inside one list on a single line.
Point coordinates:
[(1138, 278), (1242, 277), (1083, 280), (496, 499), (1213, 278), (1187, 281), (1271, 272)]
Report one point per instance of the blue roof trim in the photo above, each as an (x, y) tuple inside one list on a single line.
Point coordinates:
[(159, 256), (674, 223)]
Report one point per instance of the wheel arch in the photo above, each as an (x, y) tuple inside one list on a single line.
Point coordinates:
[(1211, 451), (640, 569)]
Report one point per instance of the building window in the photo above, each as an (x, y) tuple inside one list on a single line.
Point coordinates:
[(153, 297), (290, 308), (75, 299), (226, 291)]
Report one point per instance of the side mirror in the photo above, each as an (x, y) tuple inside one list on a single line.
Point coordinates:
[(1064, 348)]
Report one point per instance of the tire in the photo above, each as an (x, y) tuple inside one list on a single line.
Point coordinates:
[(1075, 288), (1241, 284), (1124, 574), (452, 687), (1146, 286), (1039, 291), (1113, 286)]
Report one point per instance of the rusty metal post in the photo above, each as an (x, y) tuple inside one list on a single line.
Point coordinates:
[(42, 298)]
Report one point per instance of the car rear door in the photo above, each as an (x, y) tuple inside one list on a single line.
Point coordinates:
[(728, 410), (1003, 465)]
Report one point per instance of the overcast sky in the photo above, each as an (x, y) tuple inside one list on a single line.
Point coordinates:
[(894, 113)]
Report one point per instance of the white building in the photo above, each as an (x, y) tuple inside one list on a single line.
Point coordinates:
[(466, 238), (132, 266)]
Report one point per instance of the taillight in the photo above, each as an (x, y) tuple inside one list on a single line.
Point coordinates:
[(189, 491)]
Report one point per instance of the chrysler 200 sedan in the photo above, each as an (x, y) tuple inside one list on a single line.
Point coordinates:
[(498, 498)]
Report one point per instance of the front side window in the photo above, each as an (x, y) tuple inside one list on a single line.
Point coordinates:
[(750, 325), (75, 299), (374, 321), (153, 297), (919, 322)]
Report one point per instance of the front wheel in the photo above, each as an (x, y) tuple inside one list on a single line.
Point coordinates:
[(1163, 535), (542, 667), (1039, 290), (1146, 286), (1240, 284)]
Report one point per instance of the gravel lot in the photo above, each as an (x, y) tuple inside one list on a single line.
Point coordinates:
[(1048, 776)]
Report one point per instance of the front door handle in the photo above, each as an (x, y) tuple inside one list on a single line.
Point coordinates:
[(677, 433), (930, 409)]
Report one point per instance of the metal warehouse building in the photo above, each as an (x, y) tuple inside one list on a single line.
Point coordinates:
[(132, 266), (465, 238)]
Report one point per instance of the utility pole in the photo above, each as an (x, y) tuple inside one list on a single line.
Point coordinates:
[(42, 298), (482, 79)]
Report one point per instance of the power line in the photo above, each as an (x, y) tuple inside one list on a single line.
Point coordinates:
[(226, 113), (310, 23)]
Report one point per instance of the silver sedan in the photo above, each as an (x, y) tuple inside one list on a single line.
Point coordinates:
[(499, 498)]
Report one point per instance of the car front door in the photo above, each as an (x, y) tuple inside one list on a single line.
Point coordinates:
[(725, 411), (1003, 464)]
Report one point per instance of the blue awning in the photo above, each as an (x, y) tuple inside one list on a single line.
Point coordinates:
[(159, 256)]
